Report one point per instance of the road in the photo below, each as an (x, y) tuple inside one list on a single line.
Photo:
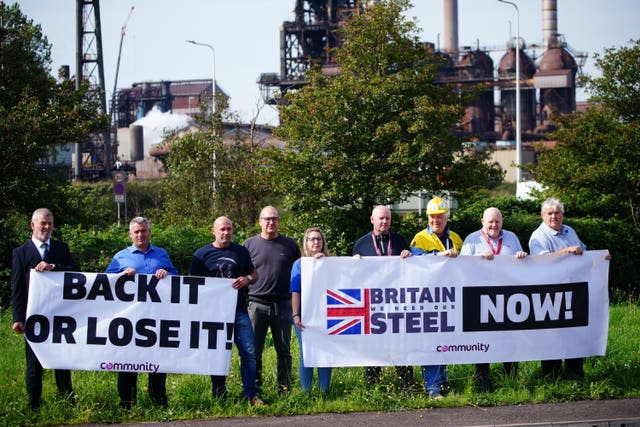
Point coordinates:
[(591, 413)]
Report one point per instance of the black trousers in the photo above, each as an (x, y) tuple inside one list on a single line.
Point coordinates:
[(573, 367), (128, 388), (33, 378)]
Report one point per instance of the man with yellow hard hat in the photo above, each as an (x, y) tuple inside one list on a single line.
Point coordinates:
[(438, 240)]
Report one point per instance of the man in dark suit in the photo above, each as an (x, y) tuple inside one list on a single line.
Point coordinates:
[(41, 253)]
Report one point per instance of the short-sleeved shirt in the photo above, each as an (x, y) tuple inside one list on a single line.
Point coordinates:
[(545, 240), (296, 277), (230, 262), (476, 243), (273, 259)]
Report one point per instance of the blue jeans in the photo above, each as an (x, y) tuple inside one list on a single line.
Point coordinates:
[(277, 317), (435, 378), (245, 342), (306, 374)]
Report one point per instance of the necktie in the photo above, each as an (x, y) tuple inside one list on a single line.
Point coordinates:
[(45, 246), (381, 240)]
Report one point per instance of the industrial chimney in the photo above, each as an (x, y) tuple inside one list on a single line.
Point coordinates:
[(549, 23), (450, 26)]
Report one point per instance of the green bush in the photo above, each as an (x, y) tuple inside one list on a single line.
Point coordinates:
[(94, 249), (93, 243)]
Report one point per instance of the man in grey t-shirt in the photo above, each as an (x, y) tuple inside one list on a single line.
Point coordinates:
[(273, 256)]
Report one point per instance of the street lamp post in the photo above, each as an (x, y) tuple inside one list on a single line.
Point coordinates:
[(213, 105), (518, 137), (213, 79)]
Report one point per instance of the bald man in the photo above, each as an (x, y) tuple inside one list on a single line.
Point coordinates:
[(224, 258), (489, 241), (381, 241), (269, 299)]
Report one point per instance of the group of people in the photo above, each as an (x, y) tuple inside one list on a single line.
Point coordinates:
[(266, 272), (437, 239)]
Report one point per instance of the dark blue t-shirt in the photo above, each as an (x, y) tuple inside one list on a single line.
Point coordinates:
[(230, 262)]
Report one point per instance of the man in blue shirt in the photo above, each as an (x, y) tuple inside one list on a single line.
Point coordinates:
[(492, 240), (552, 236), (142, 258)]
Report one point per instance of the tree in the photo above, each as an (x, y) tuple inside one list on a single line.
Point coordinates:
[(210, 176), (595, 163), (36, 113), (379, 131)]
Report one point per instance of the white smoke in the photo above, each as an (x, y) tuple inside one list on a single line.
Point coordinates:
[(157, 124)]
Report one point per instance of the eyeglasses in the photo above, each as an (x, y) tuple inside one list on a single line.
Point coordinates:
[(270, 218), (314, 239)]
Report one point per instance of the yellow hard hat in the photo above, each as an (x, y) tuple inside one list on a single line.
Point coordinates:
[(436, 206)]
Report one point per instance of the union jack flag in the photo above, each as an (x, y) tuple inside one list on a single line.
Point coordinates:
[(348, 310)]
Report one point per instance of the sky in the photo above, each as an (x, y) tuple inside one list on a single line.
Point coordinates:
[(245, 36)]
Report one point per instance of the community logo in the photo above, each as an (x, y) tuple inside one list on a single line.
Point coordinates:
[(129, 366)]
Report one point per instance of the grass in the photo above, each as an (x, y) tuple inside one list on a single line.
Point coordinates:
[(616, 375)]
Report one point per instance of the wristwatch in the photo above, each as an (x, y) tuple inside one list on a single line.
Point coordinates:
[(250, 278)]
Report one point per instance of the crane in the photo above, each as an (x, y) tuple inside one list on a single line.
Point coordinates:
[(123, 30), (115, 81)]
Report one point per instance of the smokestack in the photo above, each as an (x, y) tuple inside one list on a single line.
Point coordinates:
[(549, 23), (450, 26)]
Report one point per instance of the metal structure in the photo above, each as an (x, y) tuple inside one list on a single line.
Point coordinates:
[(515, 79), (518, 109), (306, 40), (93, 158)]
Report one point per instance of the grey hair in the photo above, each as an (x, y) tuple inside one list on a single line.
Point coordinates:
[(140, 220), (551, 203), (41, 212)]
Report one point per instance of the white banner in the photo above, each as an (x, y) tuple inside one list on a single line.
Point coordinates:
[(114, 322), (429, 310)]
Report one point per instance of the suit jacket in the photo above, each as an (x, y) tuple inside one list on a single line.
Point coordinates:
[(26, 257)]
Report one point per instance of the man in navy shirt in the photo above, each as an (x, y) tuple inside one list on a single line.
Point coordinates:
[(381, 241), (224, 258)]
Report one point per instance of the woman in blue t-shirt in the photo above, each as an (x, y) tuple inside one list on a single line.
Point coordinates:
[(313, 245)]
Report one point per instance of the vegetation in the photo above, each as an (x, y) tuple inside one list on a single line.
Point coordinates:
[(209, 177), (616, 375), (37, 114)]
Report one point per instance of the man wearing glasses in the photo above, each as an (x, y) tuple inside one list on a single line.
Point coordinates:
[(273, 256)]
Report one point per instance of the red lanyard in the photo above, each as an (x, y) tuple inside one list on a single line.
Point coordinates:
[(375, 245), (494, 251)]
